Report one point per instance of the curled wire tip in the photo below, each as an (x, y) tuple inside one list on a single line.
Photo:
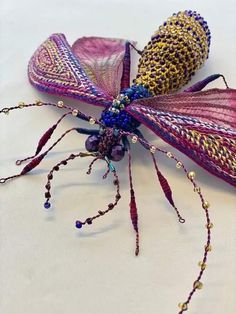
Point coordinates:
[(3, 180), (181, 220), (106, 174)]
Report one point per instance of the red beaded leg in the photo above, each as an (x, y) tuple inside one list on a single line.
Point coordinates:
[(166, 189), (79, 224), (43, 140), (35, 162), (88, 220), (197, 284), (133, 206), (57, 168)]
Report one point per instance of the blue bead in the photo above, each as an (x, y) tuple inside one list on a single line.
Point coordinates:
[(78, 224), (47, 205)]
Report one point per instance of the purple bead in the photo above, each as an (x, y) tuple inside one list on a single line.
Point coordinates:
[(47, 205), (117, 152), (91, 144), (78, 224)]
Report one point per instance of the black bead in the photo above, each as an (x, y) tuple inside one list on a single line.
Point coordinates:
[(89, 221)]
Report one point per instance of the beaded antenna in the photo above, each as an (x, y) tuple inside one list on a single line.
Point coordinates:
[(201, 124)]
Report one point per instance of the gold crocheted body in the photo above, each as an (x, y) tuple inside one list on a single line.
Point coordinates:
[(177, 49)]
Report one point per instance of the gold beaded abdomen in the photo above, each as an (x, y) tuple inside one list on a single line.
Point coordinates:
[(176, 50)]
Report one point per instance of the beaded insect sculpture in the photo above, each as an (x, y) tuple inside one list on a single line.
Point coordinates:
[(201, 124)]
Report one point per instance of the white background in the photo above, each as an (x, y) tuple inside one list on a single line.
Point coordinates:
[(46, 265)]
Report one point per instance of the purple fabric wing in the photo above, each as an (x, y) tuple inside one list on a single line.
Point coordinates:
[(213, 105), (105, 60), (210, 145), (85, 72)]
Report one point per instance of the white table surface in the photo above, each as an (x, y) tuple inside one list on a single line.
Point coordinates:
[(48, 266)]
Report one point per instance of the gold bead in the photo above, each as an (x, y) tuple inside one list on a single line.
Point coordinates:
[(21, 104), (208, 247), (75, 112), (92, 121), (191, 175), (198, 285), (183, 306), (202, 265), (210, 225), (152, 149), (60, 104), (179, 165), (134, 139), (206, 205), (38, 102), (169, 154)]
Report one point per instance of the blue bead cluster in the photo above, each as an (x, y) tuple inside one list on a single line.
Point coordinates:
[(116, 117), (136, 92), (121, 120)]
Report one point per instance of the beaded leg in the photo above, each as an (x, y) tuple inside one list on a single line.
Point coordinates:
[(64, 162), (43, 140), (36, 161), (163, 181), (166, 188), (116, 182), (197, 284), (79, 224), (133, 206), (201, 84)]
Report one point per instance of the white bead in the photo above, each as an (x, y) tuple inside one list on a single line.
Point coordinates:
[(92, 121), (134, 139), (75, 112), (60, 104), (152, 149), (179, 165)]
